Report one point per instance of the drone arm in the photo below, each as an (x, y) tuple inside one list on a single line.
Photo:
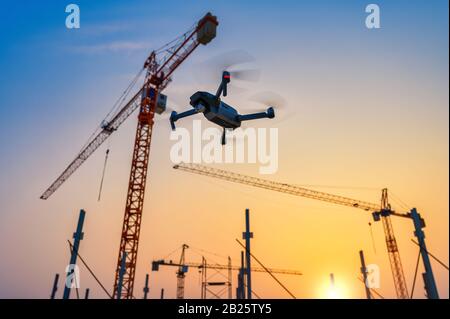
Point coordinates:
[(226, 78), (254, 116), (175, 116), (220, 89)]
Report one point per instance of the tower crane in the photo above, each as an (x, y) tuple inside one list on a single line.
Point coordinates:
[(183, 268), (158, 68), (382, 212), (162, 262)]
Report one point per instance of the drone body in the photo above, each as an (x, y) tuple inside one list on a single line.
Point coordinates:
[(217, 111)]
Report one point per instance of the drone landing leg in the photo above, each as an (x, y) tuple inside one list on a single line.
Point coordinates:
[(224, 139)]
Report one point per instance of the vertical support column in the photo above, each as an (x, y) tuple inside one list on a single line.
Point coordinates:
[(364, 274), (55, 287), (77, 236), (123, 265), (146, 290), (428, 277), (230, 274), (86, 294), (247, 235), (203, 274), (238, 285), (240, 291)]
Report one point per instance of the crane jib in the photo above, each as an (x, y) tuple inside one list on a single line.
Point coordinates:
[(98, 140)]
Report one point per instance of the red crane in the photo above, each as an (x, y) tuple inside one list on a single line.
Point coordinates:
[(159, 67)]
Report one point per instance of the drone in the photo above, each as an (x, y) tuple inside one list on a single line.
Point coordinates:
[(217, 111)]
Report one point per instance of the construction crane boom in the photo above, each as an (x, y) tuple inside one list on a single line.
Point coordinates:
[(158, 76), (161, 77), (94, 143), (382, 210), (157, 263), (280, 187)]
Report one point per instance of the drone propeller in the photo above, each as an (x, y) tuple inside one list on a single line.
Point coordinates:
[(252, 75), (270, 99), (232, 61), (230, 58)]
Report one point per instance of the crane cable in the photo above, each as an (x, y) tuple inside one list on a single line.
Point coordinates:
[(217, 272), (103, 175), (90, 271), (397, 199), (373, 239), (417, 264), (74, 277), (171, 253), (200, 251), (267, 270), (175, 42), (431, 255), (115, 106), (415, 275), (125, 93), (372, 290), (196, 250)]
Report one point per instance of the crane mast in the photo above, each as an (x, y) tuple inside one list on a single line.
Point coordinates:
[(136, 185), (182, 269), (392, 248), (384, 210)]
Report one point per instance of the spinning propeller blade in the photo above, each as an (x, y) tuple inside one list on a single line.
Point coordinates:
[(270, 99), (209, 71)]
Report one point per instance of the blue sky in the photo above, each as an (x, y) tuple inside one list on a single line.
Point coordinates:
[(343, 82), (51, 64), (39, 55)]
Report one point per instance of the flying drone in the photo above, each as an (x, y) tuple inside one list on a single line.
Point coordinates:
[(217, 111)]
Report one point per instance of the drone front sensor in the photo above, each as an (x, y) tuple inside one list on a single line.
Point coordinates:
[(217, 111)]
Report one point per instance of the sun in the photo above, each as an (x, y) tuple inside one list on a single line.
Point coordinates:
[(334, 293), (333, 290)]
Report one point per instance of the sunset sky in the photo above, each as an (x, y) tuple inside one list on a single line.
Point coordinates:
[(366, 109)]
